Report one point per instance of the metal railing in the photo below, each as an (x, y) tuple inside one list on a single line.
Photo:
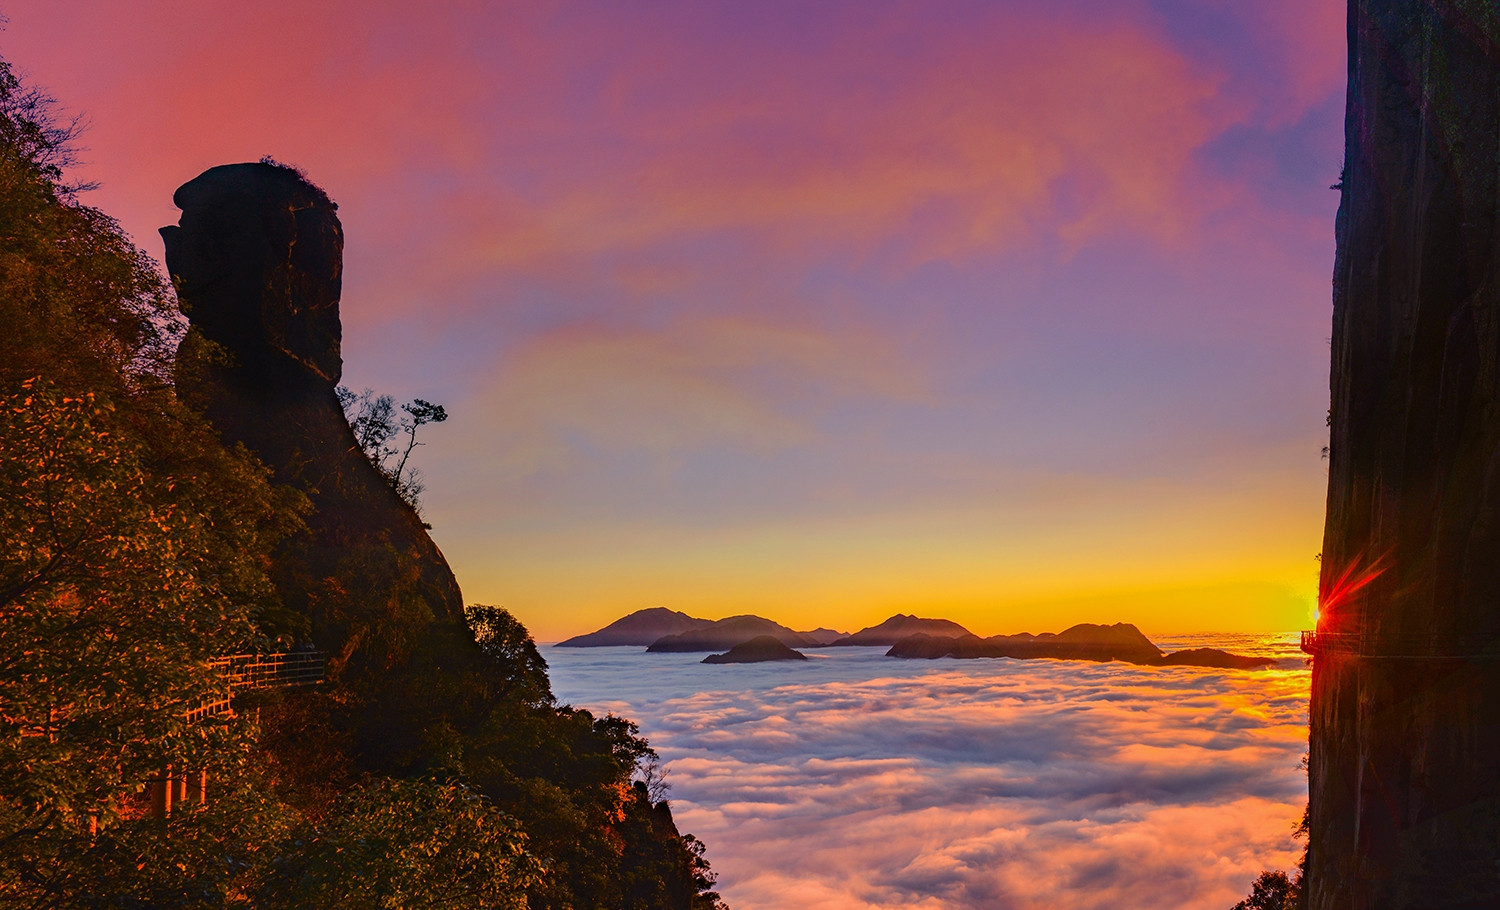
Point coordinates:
[(1401, 647), (282, 669), (271, 671)]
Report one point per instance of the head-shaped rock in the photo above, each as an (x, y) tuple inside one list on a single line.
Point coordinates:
[(257, 257)]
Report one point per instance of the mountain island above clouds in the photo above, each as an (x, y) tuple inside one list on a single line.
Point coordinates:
[(735, 630), (661, 630), (902, 626), (639, 628), (757, 650)]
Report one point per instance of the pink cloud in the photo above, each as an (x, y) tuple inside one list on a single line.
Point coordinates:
[(558, 138), (966, 144)]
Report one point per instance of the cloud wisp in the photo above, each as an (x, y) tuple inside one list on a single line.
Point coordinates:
[(858, 781)]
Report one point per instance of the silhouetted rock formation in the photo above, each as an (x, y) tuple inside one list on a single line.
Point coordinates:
[(1085, 641), (258, 259), (898, 627), (1213, 658), (728, 632), (639, 628), (930, 647), (757, 650), (1404, 764), (822, 636)]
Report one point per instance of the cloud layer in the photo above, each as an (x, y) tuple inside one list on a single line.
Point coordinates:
[(858, 781)]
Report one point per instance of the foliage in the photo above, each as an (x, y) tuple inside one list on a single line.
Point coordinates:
[(407, 843), (377, 426), (135, 547), (206, 855), (516, 667), (113, 600), (398, 844), (78, 301), (1273, 891)]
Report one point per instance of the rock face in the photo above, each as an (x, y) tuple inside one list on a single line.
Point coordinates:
[(757, 650), (257, 258), (728, 632), (639, 628), (898, 627), (1404, 763)]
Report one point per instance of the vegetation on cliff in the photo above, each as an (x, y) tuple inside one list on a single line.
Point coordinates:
[(136, 546)]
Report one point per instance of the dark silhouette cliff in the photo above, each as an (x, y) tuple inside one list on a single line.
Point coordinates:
[(257, 259), (1404, 764), (418, 687)]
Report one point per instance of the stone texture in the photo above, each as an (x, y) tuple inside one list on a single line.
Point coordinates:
[(1405, 721)]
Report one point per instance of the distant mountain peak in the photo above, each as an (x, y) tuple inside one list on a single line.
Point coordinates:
[(901, 626), (728, 632), (639, 628)]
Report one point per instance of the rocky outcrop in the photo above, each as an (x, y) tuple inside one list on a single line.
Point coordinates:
[(639, 628), (757, 650), (257, 258), (1404, 762), (898, 627)]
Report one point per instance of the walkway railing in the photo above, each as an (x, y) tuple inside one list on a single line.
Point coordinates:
[(245, 672), (272, 671), (1401, 647)]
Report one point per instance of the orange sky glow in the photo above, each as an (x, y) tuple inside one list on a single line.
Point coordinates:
[(1010, 313)]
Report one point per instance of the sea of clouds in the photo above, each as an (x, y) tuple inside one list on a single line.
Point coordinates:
[(854, 780)]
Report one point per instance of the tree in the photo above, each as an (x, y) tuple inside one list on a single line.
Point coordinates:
[(376, 427), (516, 666), (122, 575), (133, 545), (407, 843), (78, 302), (1273, 891)]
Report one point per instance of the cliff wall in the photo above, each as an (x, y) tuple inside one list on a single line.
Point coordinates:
[(1404, 764), (257, 258)]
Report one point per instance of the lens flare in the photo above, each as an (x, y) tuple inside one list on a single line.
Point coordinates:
[(1339, 593)]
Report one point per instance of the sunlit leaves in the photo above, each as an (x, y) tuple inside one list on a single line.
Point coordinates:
[(515, 666), (110, 609), (408, 843)]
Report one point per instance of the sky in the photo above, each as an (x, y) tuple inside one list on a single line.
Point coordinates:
[(854, 781), (1015, 313)]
